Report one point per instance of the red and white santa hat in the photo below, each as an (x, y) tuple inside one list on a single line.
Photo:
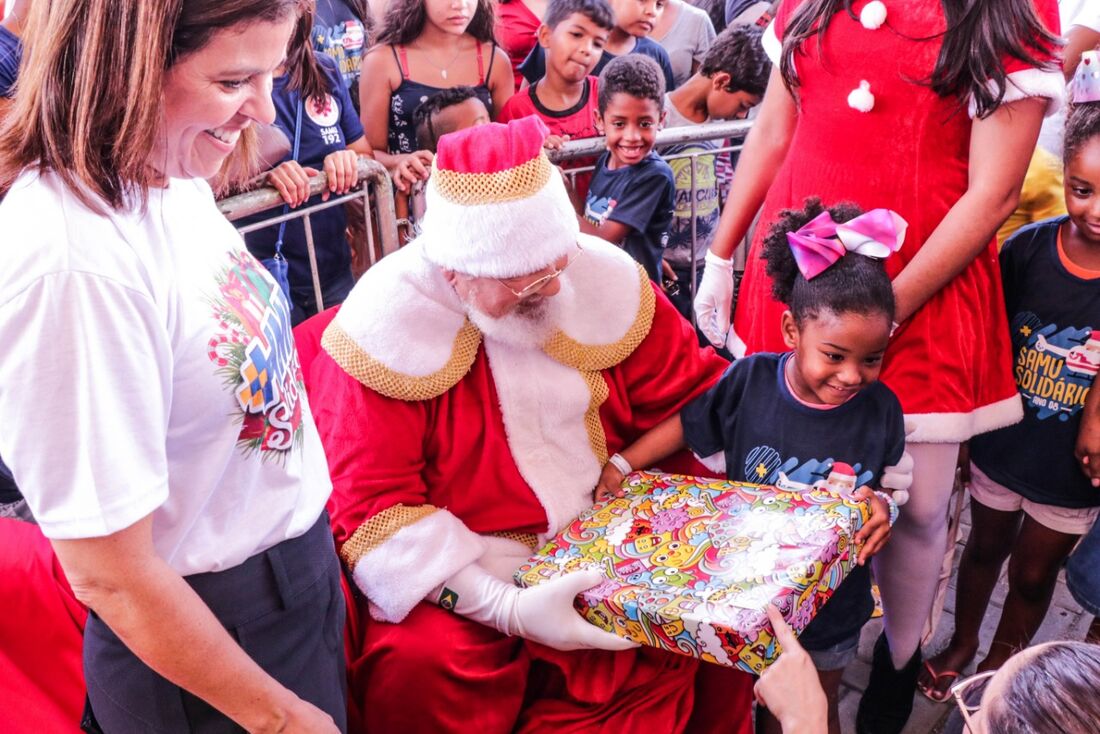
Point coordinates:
[(496, 206)]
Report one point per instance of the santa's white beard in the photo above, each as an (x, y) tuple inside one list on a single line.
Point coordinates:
[(529, 326)]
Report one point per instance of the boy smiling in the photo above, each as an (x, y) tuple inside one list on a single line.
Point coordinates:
[(630, 197)]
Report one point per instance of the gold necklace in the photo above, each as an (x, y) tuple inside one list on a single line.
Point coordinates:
[(442, 69)]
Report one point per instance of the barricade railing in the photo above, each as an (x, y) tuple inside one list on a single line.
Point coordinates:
[(375, 190), (718, 132)]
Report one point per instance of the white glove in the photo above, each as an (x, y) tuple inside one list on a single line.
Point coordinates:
[(899, 478), (542, 613), (714, 299)]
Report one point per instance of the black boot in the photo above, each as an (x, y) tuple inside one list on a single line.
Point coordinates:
[(888, 700)]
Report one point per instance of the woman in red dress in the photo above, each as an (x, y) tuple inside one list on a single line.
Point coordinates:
[(918, 106)]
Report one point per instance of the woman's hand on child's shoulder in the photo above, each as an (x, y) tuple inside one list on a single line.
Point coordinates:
[(610, 484), (291, 180), (876, 531), (410, 168)]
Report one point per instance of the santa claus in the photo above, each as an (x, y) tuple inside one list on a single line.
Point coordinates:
[(468, 395)]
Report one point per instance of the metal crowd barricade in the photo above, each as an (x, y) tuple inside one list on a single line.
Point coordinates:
[(734, 131), (375, 188)]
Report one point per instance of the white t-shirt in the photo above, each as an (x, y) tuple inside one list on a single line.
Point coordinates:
[(687, 40), (149, 367)]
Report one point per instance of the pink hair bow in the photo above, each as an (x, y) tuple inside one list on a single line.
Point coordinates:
[(819, 243)]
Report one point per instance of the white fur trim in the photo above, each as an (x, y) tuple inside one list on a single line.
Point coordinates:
[(397, 575), (958, 427), (404, 313), (773, 47), (543, 404), (1033, 82), (606, 293), (503, 240), (714, 462)]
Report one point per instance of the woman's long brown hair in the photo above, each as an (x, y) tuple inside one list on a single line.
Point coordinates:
[(979, 34), (88, 103)]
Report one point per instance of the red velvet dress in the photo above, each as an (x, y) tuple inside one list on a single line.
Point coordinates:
[(950, 363)]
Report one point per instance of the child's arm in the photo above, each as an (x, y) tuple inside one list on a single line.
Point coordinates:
[(665, 438), (613, 232)]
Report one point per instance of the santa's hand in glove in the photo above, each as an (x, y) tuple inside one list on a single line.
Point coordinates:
[(542, 613)]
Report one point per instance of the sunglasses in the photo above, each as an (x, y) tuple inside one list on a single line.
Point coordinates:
[(536, 285), (973, 684)]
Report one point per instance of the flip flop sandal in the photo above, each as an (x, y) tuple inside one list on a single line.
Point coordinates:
[(934, 692)]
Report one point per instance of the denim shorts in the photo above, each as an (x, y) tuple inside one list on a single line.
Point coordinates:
[(1083, 572), (836, 657)]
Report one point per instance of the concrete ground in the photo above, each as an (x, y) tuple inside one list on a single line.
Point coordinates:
[(1064, 620)]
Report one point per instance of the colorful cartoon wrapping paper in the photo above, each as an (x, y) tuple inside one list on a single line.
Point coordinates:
[(692, 563)]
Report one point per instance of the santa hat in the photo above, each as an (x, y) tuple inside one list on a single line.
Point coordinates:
[(496, 206)]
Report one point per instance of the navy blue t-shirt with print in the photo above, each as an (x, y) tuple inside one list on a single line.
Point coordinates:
[(326, 128), (639, 196), (1054, 317), (11, 53), (533, 67), (751, 417), (340, 34)]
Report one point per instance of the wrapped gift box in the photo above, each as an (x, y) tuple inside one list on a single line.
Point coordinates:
[(692, 563)]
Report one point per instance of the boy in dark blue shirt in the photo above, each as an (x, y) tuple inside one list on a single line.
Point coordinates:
[(631, 195)]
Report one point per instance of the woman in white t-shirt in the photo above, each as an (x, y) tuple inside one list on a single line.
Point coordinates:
[(154, 413)]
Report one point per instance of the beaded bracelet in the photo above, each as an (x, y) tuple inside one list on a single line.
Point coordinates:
[(891, 505), (617, 461)]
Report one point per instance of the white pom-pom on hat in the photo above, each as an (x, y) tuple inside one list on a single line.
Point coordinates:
[(861, 98), (873, 15)]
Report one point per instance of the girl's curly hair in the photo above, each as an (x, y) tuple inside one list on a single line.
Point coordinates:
[(1082, 124), (854, 284)]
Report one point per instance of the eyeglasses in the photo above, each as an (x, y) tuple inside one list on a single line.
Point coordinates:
[(539, 284), (959, 692)]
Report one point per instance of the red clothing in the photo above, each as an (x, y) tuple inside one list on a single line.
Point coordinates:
[(434, 671), (576, 122), (516, 27), (949, 363), (41, 636)]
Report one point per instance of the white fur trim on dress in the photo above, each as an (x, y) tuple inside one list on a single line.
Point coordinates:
[(404, 313), (773, 47), (958, 427), (399, 573), (501, 240), (1033, 82)]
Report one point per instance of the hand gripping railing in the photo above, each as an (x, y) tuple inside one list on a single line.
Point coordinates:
[(373, 180)]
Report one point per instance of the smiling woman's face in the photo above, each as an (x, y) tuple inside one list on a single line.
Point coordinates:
[(213, 94)]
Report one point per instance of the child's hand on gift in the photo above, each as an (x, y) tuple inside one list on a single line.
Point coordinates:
[(610, 484), (876, 531)]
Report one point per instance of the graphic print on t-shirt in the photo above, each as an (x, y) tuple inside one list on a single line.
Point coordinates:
[(255, 356), (597, 210), (343, 42), (326, 116), (765, 465), (1054, 366)]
